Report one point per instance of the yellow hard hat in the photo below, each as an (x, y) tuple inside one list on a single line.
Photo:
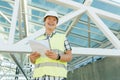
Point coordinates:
[(51, 13)]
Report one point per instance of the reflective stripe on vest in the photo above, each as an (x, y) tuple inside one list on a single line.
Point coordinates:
[(50, 64), (54, 67)]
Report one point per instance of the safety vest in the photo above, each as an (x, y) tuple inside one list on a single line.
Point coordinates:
[(47, 66)]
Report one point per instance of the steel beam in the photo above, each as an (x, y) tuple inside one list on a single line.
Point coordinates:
[(110, 2), (95, 51), (62, 20), (106, 15), (75, 5), (13, 22), (25, 16), (5, 17), (70, 16), (88, 2), (100, 24), (15, 60), (12, 33), (68, 3), (32, 37), (15, 49), (72, 25), (75, 50)]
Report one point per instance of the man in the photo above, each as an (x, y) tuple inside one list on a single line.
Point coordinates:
[(54, 66)]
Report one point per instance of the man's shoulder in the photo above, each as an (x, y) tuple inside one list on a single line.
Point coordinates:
[(60, 35)]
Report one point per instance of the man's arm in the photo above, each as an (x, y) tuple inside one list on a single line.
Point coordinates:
[(33, 56), (67, 56)]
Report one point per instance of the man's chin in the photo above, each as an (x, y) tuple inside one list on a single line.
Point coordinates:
[(50, 28)]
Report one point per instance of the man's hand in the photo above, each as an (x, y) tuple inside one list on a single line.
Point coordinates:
[(34, 56), (66, 57), (51, 54)]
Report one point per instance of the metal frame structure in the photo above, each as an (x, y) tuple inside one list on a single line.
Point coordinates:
[(94, 14)]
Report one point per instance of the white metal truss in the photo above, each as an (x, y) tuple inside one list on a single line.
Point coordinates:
[(114, 40), (25, 16), (66, 18), (13, 22), (72, 25), (70, 16), (95, 14), (75, 50), (96, 51), (98, 13), (5, 17), (12, 33), (110, 2)]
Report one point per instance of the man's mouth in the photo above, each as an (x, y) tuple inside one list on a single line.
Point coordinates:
[(50, 24)]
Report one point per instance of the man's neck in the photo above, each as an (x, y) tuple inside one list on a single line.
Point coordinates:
[(48, 32)]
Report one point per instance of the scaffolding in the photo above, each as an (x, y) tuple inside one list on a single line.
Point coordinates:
[(19, 30)]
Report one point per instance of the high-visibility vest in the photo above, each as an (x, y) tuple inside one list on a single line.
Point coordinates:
[(47, 66)]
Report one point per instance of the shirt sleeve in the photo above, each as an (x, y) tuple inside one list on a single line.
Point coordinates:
[(67, 45)]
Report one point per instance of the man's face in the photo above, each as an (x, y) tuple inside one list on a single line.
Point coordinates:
[(50, 22)]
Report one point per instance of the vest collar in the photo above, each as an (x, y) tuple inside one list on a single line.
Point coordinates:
[(51, 35)]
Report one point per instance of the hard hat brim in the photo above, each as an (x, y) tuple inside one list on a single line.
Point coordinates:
[(51, 16)]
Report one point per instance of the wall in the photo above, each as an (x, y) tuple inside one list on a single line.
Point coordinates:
[(105, 69)]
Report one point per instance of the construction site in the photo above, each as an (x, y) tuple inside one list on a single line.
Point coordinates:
[(92, 28)]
